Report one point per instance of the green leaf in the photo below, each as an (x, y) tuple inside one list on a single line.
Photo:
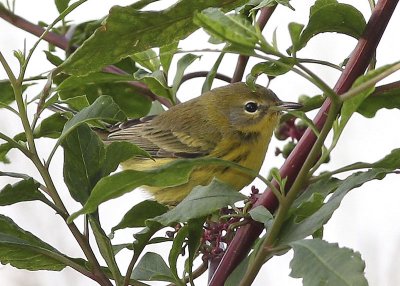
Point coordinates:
[(331, 16), (183, 63), (142, 238), (155, 81), (167, 52), (4, 149), (77, 102), (211, 74), (129, 98), (207, 199), (390, 161), (118, 247), (326, 264), (152, 267), (106, 248), (234, 29), (389, 99), (113, 40), (172, 174), (119, 151), (84, 156), (142, 3), (295, 32), (103, 108), (293, 231), (147, 59), (309, 207), (176, 250), (270, 3), (92, 79), (139, 213), (25, 190), (51, 127), (270, 68), (24, 250), (77, 92), (194, 240), (6, 93), (55, 60), (351, 105), (261, 214), (61, 5)]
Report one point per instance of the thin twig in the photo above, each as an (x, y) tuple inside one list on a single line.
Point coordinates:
[(192, 75)]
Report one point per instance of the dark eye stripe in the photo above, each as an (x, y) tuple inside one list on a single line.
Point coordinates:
[(251, 107)]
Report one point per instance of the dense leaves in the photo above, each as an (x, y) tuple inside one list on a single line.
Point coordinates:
[(141, 44), (149, 29)]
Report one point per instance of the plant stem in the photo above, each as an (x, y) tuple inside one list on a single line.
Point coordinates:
[(82, 241), (219, 76), (33, 155), (324, 63), (130, 269)]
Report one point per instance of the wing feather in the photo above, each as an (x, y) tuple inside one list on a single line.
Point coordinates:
[(160, 141)]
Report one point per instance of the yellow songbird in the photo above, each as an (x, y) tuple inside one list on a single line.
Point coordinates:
[(232, 123)]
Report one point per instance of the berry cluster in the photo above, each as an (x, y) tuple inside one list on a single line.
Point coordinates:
[(292, 130), (218, 234)]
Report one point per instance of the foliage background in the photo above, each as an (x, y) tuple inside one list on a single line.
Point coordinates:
[(367, 220)]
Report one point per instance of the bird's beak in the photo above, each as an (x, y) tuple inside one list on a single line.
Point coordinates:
[(284, 105)]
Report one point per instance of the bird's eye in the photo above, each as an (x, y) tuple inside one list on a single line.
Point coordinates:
[(251, 107)]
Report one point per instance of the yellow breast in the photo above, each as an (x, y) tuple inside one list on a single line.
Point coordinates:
[(247, 149)]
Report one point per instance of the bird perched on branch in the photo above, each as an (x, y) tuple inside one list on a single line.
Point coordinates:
[(233, 123)]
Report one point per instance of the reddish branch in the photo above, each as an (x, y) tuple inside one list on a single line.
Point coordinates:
[(359, 60), (53, 38), (192, 75)]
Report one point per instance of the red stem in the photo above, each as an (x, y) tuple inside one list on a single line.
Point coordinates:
[(356, 66), (17, 21)]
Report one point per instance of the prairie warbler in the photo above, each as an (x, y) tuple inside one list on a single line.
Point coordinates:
[(232, 123)]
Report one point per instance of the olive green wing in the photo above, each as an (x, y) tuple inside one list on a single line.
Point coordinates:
[(160, 141)]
